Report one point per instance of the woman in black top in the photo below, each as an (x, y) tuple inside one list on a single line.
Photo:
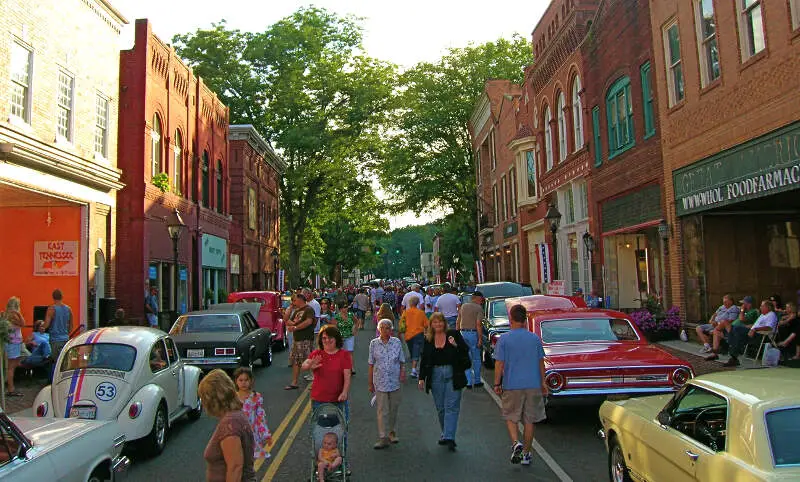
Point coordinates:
[(445, 357), (789, 333)]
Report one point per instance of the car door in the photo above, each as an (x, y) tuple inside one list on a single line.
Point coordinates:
[(162, 374), (257, 333), (248, 338), (176, 368)]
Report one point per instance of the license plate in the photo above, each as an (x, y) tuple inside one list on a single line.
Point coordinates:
[(194, 353), (89, 413)]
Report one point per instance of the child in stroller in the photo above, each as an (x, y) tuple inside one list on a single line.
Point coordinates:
[(328, 447)]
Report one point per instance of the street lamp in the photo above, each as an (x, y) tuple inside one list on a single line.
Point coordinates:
[(588, 242), (554, 217), (175, 227), (275, 257)]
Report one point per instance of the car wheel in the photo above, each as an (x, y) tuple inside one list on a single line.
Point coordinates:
[(195, 413), (100, 474), (156, 440), (617, 470), (266, 360), (488, 361)]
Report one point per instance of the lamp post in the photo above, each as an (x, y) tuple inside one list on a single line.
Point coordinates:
[(588, 243), (554, 217), (175, 227), (275, 257)]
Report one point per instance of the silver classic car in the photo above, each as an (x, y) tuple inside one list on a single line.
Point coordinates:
[(33, 449)]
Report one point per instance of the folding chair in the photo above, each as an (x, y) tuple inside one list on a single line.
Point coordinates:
[(764, 337)]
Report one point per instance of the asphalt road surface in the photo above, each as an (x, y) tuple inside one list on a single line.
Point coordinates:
[(567, 446)]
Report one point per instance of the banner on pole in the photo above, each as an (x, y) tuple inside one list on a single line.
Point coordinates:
[(281, 280)]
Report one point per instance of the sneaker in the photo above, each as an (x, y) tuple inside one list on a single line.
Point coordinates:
[(382, 443), (308, 378), (706, 349), (414, 374), (516, 453), (732, 362), (393, 438), (712, 356), (526, 458)]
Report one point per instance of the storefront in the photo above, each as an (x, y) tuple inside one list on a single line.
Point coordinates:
[(534, 234), (214, 260), (573, 258), (632, 250), (739, 214), (161, 275)]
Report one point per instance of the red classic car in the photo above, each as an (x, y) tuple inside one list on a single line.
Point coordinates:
[(269, 315), (592, 353)]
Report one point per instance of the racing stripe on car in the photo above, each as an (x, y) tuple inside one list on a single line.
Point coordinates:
[(76, 383)]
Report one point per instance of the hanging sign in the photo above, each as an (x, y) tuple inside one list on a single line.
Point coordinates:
[(55, 258)]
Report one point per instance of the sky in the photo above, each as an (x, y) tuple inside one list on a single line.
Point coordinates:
[(404, 32)]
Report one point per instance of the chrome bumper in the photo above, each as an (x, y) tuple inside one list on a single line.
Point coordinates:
[(214, 362), (119, 468), (591, 392)]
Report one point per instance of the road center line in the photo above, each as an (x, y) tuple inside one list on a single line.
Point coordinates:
[(548, 459), (287, 444), (276, 435)]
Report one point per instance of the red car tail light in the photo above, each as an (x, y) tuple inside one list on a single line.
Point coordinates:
[(41, 410), (493, 339), (680, 376), (135, 409), (224, 351), (554, 381)]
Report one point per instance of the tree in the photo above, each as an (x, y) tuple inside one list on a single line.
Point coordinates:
[(431, 144), (318, 98)]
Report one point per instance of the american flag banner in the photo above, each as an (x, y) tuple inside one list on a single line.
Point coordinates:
[(317, 282), (543, 263), (479, 271), (281, 280)]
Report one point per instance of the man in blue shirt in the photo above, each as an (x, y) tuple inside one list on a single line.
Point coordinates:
[(519, 359)]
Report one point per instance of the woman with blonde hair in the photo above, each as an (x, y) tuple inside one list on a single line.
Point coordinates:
[(229, 453), (14, 346)]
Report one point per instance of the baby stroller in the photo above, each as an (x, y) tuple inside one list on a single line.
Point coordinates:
[(328, 418)]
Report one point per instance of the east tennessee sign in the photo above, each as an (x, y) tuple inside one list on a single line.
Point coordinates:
[(766, 165)]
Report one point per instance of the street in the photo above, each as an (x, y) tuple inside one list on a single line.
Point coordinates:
[(568, 447)]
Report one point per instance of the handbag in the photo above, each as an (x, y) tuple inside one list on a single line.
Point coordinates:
[(771, 356)]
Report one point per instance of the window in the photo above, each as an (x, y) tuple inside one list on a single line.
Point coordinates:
[(220, 190), (10, 446), (66, 88), (504, 197), (262, 219), (795, 6), (683, 412), (158, 357), (177, 162), (530, 160), (619, 112), (577, 113), (492, 152), (598, 155), (562, 128), (101, 126), (672, 54), (156, 165), (513, 184), (494, 205), (647, 100), (583, 198), (548, 138), (21, 62), (251, 208), (478, 165), (751, 28), (574, 262), (205, 186), (783, 427), (569, 203), (707, 41)]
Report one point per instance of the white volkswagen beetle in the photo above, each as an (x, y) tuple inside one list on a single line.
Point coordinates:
[(130, 374)]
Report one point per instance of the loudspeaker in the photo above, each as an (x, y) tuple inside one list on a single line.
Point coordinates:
[(108, 306)]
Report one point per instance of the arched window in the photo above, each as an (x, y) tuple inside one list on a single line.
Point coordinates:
[(177, 162), (548, 138), (577, 113), (220, 191), (205, 186), (156, 164), (619, 114), (562, 128)]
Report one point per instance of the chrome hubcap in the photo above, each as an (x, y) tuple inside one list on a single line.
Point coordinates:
[(161, 427), (617, 465)]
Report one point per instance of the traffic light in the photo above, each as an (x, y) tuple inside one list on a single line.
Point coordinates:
[(378, 251), (396, 250)]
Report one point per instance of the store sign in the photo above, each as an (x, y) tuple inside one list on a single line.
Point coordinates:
[(152, 273), (234, 263), (764, 166), (55, 258), (215, 252), (182, 275), (556, 287), (631, 209)]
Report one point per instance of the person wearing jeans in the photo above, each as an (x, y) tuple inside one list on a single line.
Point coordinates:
[(445, 358), (469, 323)]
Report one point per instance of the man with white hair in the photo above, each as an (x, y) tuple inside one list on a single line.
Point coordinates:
[(386, 374)]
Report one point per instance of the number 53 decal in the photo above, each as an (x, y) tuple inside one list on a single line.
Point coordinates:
[(105, 391)]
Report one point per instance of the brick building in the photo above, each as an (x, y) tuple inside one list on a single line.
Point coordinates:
[(554, 94), (492, 127), (729, 92), (173, 150), (625, 148), (255, 172), (58, 152)]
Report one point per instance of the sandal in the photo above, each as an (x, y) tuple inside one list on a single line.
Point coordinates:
[(291, 387), (14, 394)]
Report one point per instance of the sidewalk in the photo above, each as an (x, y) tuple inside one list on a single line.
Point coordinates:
[(29, 387), (690, 351)]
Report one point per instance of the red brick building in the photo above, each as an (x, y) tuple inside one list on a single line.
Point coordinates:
[(729, 97), (554, 96), (173, 151), (255, 172), (625, 149)]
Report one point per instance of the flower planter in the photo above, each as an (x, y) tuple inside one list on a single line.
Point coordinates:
[(654, 336)]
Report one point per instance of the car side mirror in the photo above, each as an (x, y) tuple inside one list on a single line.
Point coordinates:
[(664, 418)]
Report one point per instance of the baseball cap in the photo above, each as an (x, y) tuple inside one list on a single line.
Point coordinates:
[(747, 299)]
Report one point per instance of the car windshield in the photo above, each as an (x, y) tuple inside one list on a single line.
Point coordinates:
[(206, 323), (783, 427), (587, 329), (499, 310), (112, 356)]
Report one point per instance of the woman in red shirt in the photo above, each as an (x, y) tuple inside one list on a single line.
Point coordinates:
[(332, 369)]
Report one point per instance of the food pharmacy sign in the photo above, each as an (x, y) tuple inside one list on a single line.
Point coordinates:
[(767, 165)]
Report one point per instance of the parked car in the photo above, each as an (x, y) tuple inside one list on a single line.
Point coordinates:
[(593, 353), (742, 425), (269, 315), (495, 324), (224, 337), (60, 449), (128, 374)]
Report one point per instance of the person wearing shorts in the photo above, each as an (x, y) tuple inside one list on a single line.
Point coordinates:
[(519, 360), (302, 328), (416, 324)]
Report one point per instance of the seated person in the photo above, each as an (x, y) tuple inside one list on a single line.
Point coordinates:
[(725, 314), (329, 457), (742, 335), (789, 333), (157, 359), (39, 345)]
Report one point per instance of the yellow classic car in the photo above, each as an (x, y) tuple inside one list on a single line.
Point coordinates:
[(730, 426)]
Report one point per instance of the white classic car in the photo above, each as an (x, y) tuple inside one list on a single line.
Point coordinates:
[(63, 450), (129, 374)]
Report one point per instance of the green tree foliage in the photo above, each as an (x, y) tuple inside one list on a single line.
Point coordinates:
[(305, 84), (431, 143), (399, 253)]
